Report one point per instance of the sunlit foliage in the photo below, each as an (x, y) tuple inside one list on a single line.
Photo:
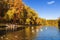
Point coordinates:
[(17, 12)]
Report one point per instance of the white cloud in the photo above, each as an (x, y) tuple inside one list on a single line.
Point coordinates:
[(51, 2)]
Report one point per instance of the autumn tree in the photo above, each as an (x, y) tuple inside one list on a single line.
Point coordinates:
[(3, 8), (15, 11)]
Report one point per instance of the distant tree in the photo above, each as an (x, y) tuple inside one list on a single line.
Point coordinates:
[(59, 22)]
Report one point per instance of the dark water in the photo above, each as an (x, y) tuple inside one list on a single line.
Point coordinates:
[(32, 33)]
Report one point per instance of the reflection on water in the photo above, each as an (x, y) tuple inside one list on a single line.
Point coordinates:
[(33, 33), (28, 33)]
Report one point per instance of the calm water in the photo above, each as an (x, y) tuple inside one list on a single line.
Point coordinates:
[(33, 33)]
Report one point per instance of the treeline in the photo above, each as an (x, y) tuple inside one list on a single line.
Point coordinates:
[(22, 14), (45, 22), (59, 23), (27, 16), (12, 14)]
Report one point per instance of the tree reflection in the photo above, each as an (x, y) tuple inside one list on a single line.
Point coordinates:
[(28, 33)]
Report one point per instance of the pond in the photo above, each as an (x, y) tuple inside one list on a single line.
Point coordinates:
[(32, 33)]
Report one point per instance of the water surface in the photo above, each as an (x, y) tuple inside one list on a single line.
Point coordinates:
[(32, 33)]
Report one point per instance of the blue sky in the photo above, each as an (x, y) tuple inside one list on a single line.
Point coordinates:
[(49, 9)]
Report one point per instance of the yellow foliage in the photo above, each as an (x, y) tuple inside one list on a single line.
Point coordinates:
[(10, 13), (29, 15), (21, 15), (28, 21), (38, 21)]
